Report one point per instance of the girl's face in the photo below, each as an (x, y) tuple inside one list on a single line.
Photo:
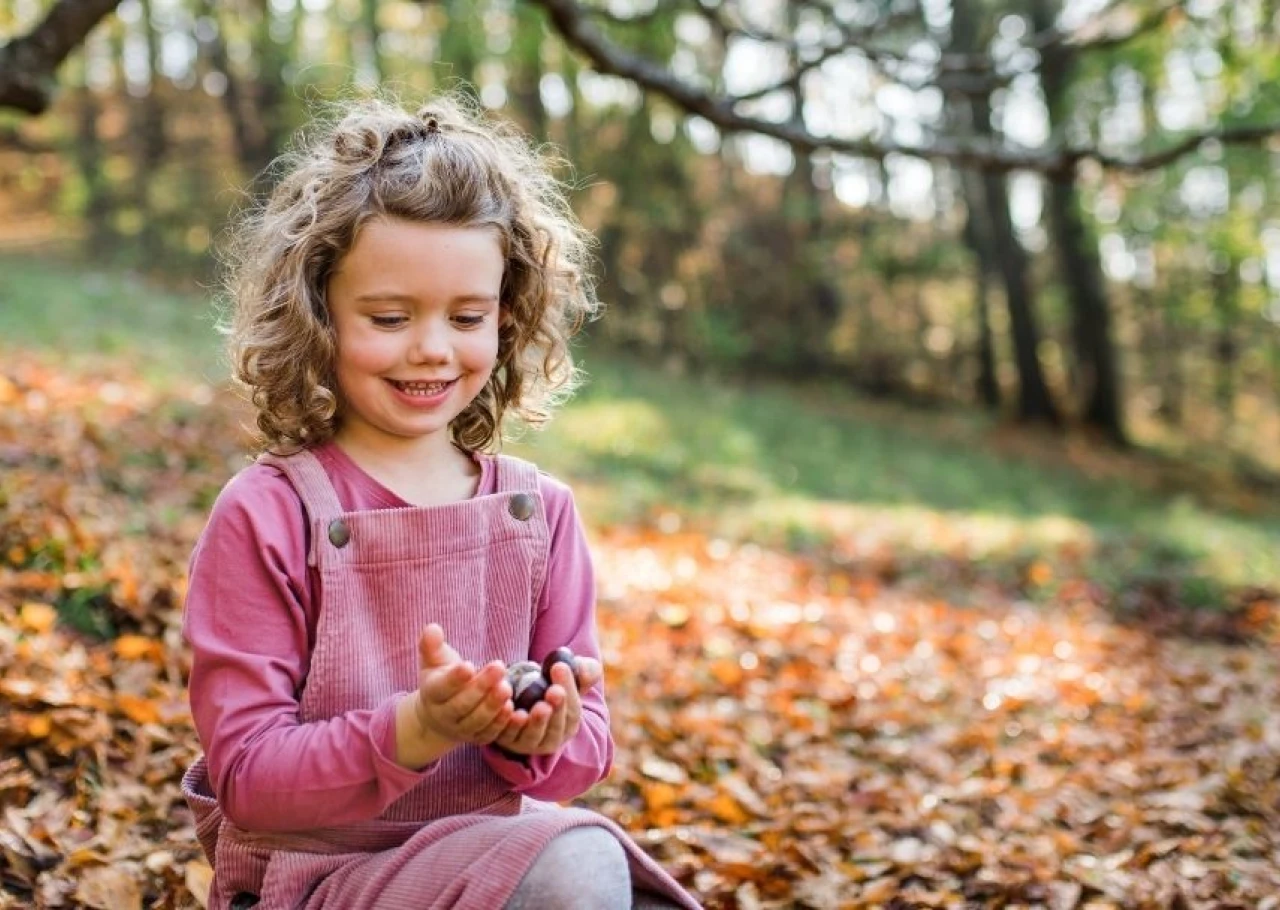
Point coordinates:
[(415, 310)]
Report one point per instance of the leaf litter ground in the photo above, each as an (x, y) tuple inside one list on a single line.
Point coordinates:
[(792, 732)]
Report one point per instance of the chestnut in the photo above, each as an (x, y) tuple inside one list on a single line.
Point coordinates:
[(561, 655), (529, 681), (520, 668), (529, 689)]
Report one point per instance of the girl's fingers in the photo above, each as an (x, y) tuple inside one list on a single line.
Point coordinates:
[(483, 697), (433, 650), (509, 738), (589, 672), (536, 728), (554, 734), (493, 730), (445, 683)]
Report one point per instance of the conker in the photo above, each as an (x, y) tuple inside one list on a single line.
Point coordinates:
[(560, 655), (529, 682), (520, 668), (530, 689)]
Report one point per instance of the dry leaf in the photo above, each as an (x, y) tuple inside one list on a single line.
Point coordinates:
[(199, 879), (109, 888)]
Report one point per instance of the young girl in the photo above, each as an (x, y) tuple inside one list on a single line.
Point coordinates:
[(359, 590)]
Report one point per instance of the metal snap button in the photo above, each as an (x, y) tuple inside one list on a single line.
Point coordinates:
[(521, 506), (339, 533)]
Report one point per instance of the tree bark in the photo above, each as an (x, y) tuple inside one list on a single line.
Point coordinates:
[(527, 71), (373, 36), (1034, 404), (29, 64), (1226, 348), (233, 102), (149, 115), (458, 42), (87, 155), (1097, 359), (977, 236), (819, 302)]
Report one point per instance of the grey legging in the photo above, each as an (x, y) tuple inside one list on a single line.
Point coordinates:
[(582, 869)]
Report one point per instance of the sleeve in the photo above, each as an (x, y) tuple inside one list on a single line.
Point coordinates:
[(565, 616), (249, 620)]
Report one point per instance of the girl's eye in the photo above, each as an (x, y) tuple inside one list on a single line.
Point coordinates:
[(468, 322), (387, 322)]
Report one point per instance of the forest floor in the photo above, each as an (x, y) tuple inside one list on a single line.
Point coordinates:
[(861, 662)]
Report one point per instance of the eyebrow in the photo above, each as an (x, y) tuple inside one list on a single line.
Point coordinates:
[(392, 296)]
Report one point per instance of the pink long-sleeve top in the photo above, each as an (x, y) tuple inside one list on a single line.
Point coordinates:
[(251, 613)]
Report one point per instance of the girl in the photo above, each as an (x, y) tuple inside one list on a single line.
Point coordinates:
[(360, 589)]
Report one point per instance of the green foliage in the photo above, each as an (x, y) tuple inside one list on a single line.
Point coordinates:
[(704, 260)]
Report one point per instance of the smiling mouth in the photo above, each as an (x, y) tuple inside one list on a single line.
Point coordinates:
[(425, 389)]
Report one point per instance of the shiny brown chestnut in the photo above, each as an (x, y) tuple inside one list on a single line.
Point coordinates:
[(561, 655), (530, 689)]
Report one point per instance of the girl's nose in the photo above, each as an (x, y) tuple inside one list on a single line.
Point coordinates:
[(430, 343)]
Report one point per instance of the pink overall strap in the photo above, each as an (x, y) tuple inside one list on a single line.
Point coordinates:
[(515, 475), (313, 487)]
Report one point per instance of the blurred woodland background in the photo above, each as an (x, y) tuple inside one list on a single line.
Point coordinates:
[(1066, 210), (930, 452)]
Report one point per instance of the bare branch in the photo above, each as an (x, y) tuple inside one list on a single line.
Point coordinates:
[(568, 19), (28, 64), (1239, 134), (1152, 20)]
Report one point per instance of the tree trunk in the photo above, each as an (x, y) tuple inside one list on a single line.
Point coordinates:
[(87, 155), (1091, 323), (977, 235), (1034, 402), (819, 301), (458, 43), (148, 131), (271, 128), (527, 70), (372, 35), (1035, 405), (233, 101), (1170, 375), (1226, 348)]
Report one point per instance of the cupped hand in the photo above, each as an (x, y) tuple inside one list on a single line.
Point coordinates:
[(455, 701), (554, 721)]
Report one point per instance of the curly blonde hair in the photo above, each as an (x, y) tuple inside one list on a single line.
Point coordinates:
[(444, 164)]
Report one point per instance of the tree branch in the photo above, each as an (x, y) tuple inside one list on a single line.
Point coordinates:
[(28, 64), (569, 19)]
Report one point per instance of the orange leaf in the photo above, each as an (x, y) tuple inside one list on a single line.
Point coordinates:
[(199, 879), (1039, 573), (138, 709), (37, 617), (133, 647), (726, 808), (659, 795), (727, 672)]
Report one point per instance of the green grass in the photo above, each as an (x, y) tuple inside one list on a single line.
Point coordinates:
[(815, 467), (83, 313), (810, 468)]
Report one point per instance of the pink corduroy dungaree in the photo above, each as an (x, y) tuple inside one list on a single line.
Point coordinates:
[(461, 838)]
